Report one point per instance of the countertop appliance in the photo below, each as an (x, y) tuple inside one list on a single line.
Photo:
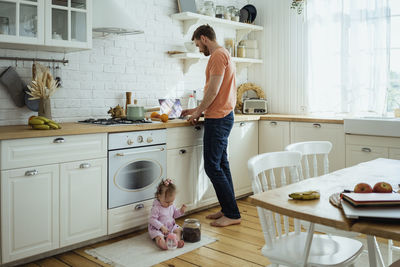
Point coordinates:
[(116, 121), (255, 106), (137, 162)]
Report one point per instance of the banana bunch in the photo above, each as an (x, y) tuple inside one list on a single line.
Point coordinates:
[(306, 195), (42, 123)]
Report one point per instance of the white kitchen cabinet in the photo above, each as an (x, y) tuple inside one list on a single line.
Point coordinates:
[(243, 144), (205, 193), (29, 211), (334, 133), (83, 200), (361, 148), (69, 23), (53, 25), (273, 136), (22, 22), (182, 169)]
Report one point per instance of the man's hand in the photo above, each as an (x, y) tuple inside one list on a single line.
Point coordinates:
[(186, 112), (164, 230), (183, 208)]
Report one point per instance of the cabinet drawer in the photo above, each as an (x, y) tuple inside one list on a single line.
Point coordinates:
[(28, 152), (129, 216), (394, 153), (184, 136), (356, 154)]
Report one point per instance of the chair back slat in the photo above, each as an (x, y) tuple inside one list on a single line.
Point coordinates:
[(261, 170), (313, 148)]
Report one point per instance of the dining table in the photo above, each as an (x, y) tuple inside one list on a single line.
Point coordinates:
[(321, 211)]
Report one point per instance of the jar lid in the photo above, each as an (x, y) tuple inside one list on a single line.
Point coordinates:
[(191, 222)]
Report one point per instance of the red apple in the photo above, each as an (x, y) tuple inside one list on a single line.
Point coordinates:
[(362, 188), (382, 187)]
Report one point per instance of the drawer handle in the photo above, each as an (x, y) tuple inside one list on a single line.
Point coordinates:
[(366, 149), (31, 173), (317, 125), (242, 124), (197, 128), (139, 206), (85, 165), (273, 123), (182, 151), (59, 140)]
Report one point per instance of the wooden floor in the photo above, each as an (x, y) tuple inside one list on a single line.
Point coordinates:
[(237, 245)]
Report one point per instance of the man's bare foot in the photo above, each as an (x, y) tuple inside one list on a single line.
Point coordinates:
[(214, 216), (225, 221)]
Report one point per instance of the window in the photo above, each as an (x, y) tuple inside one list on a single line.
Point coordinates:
[(393, 94)]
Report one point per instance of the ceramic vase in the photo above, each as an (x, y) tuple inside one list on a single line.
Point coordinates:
[(45, 108)]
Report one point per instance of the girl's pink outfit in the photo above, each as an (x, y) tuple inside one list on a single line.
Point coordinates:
[(160, 216)]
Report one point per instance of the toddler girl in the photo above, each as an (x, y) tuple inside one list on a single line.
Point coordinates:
[(163, 214)]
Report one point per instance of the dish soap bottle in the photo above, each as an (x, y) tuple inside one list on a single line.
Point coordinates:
[(192, 102)]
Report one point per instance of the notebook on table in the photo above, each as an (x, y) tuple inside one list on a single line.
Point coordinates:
[(370, 212), (372, 199)]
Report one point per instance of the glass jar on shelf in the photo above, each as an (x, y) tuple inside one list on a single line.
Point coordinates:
[(235, 14), (229, 12), (4, 25), (241, 51), (208, 9), (220, 12)]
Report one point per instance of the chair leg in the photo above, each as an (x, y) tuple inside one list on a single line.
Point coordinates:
[(390, 252), (371, 251)]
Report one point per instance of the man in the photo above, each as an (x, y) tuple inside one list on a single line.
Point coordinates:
[(218, 103)]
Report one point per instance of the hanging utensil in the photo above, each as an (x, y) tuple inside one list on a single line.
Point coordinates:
[(57, 75)]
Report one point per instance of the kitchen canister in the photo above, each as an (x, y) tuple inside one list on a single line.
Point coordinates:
[(191, 230)]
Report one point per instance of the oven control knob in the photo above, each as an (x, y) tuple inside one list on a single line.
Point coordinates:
[(149, 139), (130, 142), (140, 139)]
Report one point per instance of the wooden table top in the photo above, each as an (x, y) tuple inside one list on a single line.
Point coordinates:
[(322, 212)]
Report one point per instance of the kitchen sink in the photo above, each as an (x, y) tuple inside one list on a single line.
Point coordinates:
[(380, 126)]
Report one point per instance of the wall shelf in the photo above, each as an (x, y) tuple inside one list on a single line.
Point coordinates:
[(192, 58), (189, 19)]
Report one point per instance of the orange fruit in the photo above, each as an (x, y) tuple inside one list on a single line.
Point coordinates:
[(155, 115), (164, 117)]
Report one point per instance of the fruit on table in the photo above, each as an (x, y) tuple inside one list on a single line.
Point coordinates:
[(164, 117), (42, 123), (307, 195), (382, 187), (362, 188), (155, 115)]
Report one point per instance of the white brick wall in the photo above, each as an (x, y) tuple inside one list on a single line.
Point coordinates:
[(97, 79)]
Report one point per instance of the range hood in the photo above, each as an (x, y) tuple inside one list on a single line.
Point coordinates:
[(114, 17)]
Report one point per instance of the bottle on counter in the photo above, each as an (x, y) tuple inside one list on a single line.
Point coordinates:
[(192, 102)]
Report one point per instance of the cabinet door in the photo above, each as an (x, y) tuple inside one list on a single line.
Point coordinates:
[(69, 23), (273, 136), (83, 201), (29, 211), (361, 153), (303, 131), (204, 190), (181, 168), (243, 144), (394, 153), (22, 22)]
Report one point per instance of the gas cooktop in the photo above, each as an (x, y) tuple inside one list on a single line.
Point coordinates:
[(116, 121)]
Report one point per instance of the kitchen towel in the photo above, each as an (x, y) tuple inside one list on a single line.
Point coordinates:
[(141, 251), (11, 81)]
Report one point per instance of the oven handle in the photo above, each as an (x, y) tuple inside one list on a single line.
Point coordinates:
[(121, 154)]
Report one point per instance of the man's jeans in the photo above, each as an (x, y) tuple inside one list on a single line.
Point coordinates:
[(216, 133)]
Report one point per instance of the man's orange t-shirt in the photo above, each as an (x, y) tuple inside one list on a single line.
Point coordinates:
[(220, 63)]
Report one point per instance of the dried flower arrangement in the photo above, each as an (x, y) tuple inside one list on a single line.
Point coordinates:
[(43, 86)]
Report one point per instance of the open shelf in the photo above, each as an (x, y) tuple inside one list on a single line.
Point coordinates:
[(193, 58), (189, 19)]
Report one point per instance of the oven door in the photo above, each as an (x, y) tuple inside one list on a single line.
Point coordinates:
[(134, 174)]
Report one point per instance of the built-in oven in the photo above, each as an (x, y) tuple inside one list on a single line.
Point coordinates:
[(136, 164)]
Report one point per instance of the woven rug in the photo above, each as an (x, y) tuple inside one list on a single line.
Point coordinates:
[(141, 251)]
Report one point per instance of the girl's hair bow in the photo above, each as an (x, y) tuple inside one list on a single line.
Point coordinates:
[(167, 182)]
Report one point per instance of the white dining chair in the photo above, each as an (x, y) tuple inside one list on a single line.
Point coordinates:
[(391, 249), (314, 149), (294, 248)]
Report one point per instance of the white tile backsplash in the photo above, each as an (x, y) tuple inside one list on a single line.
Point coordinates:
[(97, 79)]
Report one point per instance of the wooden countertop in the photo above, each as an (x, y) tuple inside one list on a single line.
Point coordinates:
[(71, 128)]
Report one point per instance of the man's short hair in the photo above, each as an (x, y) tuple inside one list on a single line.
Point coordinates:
[(205, 30)]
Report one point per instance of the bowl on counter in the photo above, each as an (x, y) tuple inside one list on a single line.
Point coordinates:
[(191, 47)]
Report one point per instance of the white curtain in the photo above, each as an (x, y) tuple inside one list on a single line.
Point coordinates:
[(348, 55)]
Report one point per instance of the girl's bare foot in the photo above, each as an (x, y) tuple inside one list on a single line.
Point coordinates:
[(214, 216), (181, 243), (161, 243), (225, 221)]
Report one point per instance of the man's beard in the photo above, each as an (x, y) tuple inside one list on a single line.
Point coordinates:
[(206, 52)]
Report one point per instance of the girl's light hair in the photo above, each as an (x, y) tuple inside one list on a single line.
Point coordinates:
[(165, 187)]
